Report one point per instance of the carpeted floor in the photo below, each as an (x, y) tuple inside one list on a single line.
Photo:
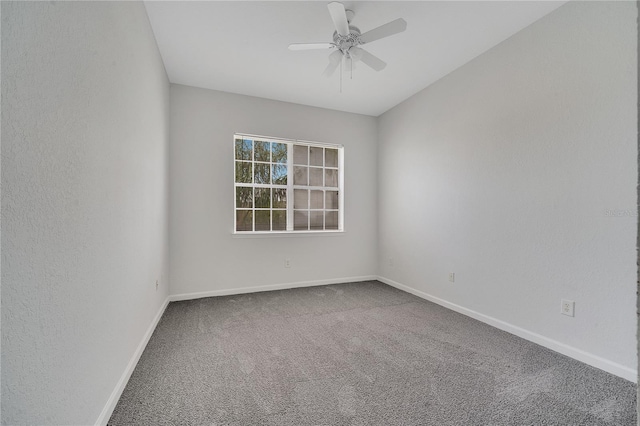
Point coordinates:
[(356, 354)]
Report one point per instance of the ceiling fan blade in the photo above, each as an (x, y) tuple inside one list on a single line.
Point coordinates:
[(310, 46), (386, 30), (334, 61), (339, 17), (372, 61), (330, 69)]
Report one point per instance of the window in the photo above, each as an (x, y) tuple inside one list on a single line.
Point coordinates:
[(287, 186)]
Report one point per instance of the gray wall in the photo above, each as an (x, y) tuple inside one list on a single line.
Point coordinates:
[(85, 104), (205, 256), (517, 172)]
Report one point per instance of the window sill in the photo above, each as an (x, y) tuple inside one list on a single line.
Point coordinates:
[(297, 234)]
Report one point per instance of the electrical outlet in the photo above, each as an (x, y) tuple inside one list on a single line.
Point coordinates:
[(392, 263), (567, 307), (452, 276), (287, 263), (156, 285)]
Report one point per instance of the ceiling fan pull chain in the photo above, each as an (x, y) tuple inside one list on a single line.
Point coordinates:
[(340, 75)]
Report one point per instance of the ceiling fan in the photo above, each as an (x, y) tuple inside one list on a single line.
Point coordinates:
[(347, 39)]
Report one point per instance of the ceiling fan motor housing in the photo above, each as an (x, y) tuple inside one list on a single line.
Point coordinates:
[(344, 43)]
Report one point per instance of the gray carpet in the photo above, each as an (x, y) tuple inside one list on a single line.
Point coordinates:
[(356, 354)]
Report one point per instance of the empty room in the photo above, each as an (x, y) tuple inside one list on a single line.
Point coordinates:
[(319, 213)]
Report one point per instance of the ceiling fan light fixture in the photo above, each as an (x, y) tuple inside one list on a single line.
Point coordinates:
[(356, 53), (335, 57)]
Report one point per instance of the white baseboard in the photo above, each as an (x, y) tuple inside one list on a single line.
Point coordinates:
[(270, 287), (578, 354), (117, 392)]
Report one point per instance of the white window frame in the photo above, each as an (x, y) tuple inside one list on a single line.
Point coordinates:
[(290, 187)]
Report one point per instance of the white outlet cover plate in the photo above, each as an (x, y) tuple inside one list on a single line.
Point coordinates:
[(567, 307)]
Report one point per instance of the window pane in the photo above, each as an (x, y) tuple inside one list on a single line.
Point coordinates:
[(243, 149), (279, 174), (330, 157), (300, 175), (300, 220), (315, 156), (263, 220), (279, 220), (279, 153), (301, 154), (244, 197), (286, 185), (262, 151), (316, 220), (243, 172), (315, 176), (300, 199), (244, 220), (263, 199), (331, 200), (279, 198), (331, 178), (331, 220), (262, 173), (317, 199)]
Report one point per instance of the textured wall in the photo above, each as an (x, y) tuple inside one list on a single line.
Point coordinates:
[(84, 203), (205, 256), (517, 172)]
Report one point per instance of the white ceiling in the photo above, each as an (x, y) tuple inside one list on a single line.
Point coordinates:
[(241, 46)]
